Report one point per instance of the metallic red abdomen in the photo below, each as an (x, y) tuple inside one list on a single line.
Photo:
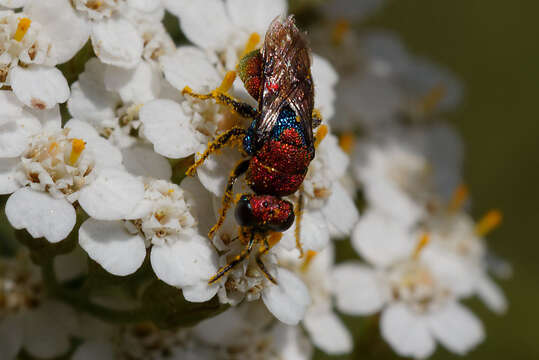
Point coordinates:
[(278, 168)]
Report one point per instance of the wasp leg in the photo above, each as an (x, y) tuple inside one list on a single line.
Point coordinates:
[(262, 251), (221, 96), (240, 168), (317, 118), (239, 258), (230, 137), (321, 133), (297, 230)]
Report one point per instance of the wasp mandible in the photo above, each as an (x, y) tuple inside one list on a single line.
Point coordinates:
[(279, 143)]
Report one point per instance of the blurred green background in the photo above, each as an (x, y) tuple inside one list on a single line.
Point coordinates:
[(493, 47)]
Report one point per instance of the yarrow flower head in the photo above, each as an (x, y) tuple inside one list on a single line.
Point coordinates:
[(53, 168)]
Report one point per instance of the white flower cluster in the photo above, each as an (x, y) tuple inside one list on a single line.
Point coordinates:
[(106, 170)]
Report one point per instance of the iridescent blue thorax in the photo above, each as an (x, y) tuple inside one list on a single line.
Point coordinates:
[(287, 120)]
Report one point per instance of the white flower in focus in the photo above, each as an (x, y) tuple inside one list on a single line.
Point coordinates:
[(52, 168), (417, 307), (115, 28), (28, 319), (163, 222), (109, 98), (287, 301), (31, 45)]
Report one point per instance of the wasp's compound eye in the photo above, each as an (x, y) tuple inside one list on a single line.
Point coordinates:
[(244, 212)]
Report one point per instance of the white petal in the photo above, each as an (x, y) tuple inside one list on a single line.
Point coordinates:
[(213, 173), (67, 31), (40, 87), (406, 332), (314, 233), (492, 295), (141, 160), (201, 200), (204, 23), (289, 299), (137, 85), (255, 16), (189, 66), (169, 129), (340, 212), (200, 291), (47, 329), (112, 195), (328, 332), (90, 101), (91, 350), (13, 4), (117, 42), (40, 214), (11, 335), (381, 240), (16, 125), (456, 328), (103, 152), (325, 78), (358, 289), (8, 183), (185, 262), (111, 246)]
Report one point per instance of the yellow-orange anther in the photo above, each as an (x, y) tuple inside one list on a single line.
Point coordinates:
[(227, 82), (22, 28), (94, 5), (308, 259), (429, 102), (77, 146), (170, 191), (53, 148), (339, 30), (489, 222), (320, 135), (274, 238), (251, 43), (347, 141), (423, 241), (459, 198)]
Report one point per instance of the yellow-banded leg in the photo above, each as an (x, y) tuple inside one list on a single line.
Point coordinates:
[(262, 250), (239, 169), (220, 95), (239, 258), (230, 137)]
